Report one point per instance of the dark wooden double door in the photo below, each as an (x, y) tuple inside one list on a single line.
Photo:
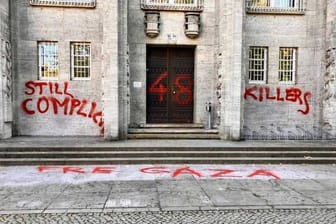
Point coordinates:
[(170, 85)]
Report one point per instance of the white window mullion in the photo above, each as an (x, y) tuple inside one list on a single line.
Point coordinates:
[(287, 65), (258, 65), (48, 60), (80, 61), (294, 65)]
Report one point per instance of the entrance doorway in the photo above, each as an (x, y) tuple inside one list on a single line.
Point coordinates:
[(170, 84)]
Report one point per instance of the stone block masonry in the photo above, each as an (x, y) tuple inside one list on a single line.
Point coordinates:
[(114, 97)]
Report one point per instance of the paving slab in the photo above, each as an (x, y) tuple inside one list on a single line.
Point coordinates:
[(309, 184), (324, 197), (89, 187), (285, 198), (27, 201), (79, 200), (142, 199)]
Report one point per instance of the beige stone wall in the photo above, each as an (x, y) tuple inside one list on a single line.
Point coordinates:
[(6, 78), (266, 118), (329, 90), (116, 31), (64, 25)]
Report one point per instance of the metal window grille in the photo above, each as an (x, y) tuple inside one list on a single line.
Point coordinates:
[(65, 3), (287, 64), (48, 60), (80, 61), (258, 64), (180, 5)]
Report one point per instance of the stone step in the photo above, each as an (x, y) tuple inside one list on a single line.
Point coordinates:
[(171, 131), (177, 147), (173, 136), (172, 154), (171, 125), (165, 160)]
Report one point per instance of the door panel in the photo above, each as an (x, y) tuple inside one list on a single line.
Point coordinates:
[(157, 86), (170, 84)]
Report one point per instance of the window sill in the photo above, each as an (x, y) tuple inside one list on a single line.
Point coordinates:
[(80, 79), (172, 8), (286, 82), (43, 79), (257, 82)]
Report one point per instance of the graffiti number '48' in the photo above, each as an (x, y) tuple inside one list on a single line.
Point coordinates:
[(182, 88)]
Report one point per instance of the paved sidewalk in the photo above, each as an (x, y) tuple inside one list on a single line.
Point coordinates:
[(168, 194), (165, 188)]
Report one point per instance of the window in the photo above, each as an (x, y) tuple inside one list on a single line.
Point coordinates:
[(80, 61), (275, 6), (258, 64), (274, 3), (48, 60), (283, 3), (287, 64)]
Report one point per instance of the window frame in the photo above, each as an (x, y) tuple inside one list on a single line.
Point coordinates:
[(55, 56), (293, 66), (72, 60), (265, 65)]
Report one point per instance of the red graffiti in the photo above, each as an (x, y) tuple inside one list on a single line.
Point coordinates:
[(214, 173), (163, 170), (78, 170), (184, 95), (294, 95), (47, 88), (266, 173), (49, 100), (182, 90), (155, 170), (222, 173), (186, 170), (158, 88), (73, 170), (103, 170)]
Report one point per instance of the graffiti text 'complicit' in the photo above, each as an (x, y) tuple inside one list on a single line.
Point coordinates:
[(56, 98)]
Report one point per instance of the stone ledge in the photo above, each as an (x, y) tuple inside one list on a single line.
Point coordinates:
[(271, 10)]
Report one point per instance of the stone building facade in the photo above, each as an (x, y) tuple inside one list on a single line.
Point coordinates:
[(100, 67)]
